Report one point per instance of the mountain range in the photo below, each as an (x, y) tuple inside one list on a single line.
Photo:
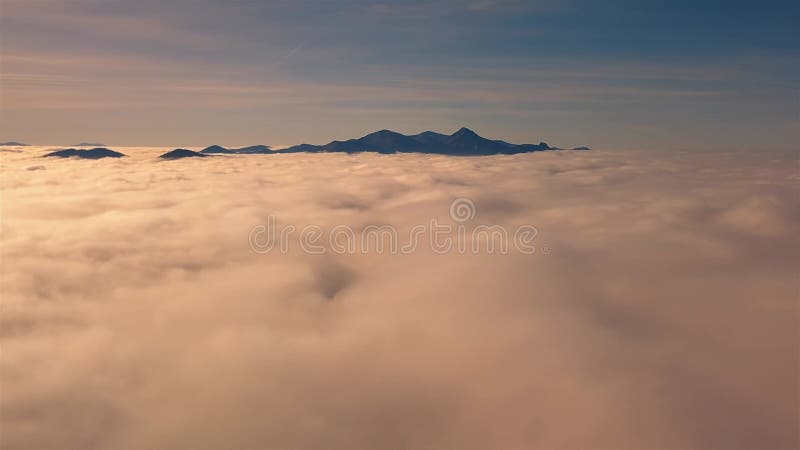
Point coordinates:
[(463, 142), (253, 149)]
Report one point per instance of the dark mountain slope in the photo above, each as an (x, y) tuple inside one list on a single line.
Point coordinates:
[(95, 153), (180, 153)]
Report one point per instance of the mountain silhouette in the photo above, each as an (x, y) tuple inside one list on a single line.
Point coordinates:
[(383, 141), (215, 149), (302, 148), (12, 144), (253, 149), (430, 138), (180, 153), (467, 142), (581, 148), (463, 142), (95, 153)]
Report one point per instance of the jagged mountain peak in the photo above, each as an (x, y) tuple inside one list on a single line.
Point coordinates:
[(465, 132)]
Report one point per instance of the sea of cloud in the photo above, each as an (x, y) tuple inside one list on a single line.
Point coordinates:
[(660, 311)]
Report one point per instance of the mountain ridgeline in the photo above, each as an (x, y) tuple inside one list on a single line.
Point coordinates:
[(253, 149), (180, 153), (463, 142), (94, 153)]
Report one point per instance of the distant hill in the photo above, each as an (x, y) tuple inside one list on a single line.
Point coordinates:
[(253, 149), (12, 144), (180, 153), (89, 144), (302, 148), (95, 153), (214, 149), (463, 142), (581, 148)]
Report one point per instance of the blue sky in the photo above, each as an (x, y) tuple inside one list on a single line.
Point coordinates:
[(194, 72)]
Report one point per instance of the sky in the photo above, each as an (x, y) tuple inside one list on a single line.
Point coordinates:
[(611, 74)]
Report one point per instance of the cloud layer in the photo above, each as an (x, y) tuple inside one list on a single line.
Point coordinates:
[(134, 314)]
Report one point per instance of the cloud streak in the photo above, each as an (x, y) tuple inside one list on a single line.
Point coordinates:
[(235, 71)]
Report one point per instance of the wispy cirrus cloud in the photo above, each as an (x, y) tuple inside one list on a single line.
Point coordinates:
[(513, 63)]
